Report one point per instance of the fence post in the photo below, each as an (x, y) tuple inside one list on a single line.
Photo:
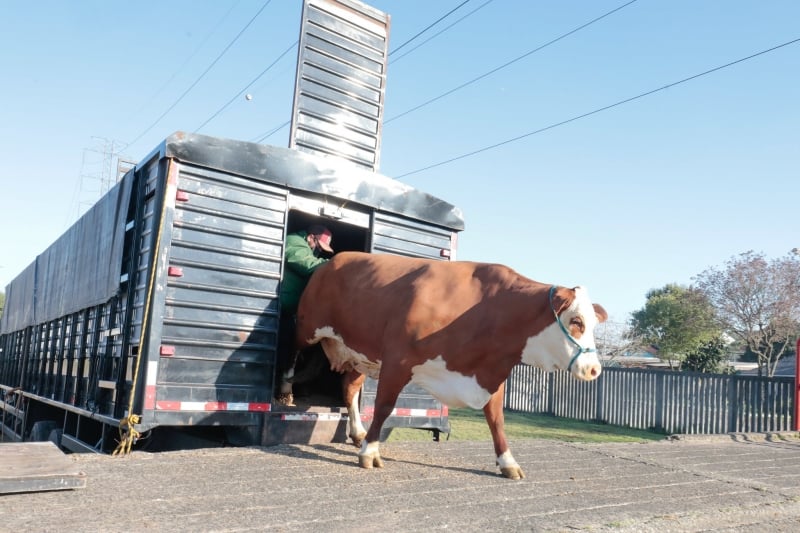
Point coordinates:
[(660, 400), (598, 415), (733, 404), (551, 393), (797, 386), (599, 397)]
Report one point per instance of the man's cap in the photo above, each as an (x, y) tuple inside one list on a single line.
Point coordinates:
[(324, 237)]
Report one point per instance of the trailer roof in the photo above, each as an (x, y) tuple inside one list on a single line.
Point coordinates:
[(329, 176)]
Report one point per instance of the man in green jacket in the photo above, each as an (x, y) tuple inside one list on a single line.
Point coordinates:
[(305, 252)]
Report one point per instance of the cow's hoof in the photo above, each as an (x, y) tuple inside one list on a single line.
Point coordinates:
[(285, 398), (513, 472), (369, 461), (358, 439)]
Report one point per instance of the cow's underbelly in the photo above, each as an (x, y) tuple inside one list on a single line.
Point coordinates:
[(451, 388), (343, 358)]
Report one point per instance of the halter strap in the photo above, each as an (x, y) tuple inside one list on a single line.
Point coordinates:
[(572, 339)]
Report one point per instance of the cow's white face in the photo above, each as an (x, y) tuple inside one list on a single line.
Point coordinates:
[(552, 348)]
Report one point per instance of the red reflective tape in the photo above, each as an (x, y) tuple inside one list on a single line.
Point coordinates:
[(150, 397), (182, 196), (167, 405), (175, 272), (167, 350), (178, 405), (368, 413)]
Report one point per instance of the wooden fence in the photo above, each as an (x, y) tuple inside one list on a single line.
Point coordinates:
[(673, 402)]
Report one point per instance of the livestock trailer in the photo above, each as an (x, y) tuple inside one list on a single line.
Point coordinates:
[(161, 301)]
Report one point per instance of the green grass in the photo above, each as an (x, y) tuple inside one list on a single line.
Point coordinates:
[(469, 424)]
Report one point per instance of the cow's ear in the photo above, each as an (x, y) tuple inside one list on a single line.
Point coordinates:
[(602, 316)]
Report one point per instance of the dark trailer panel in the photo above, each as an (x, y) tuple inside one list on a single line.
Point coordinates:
[(161, 301)]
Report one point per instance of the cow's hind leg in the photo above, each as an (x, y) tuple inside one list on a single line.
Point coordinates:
[(390, 384), (493, 411), (351, 385)]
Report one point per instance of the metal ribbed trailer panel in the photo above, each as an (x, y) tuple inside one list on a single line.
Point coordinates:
[(220, 316), (341, 81), (404, 236)]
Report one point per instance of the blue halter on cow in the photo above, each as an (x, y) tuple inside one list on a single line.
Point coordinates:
[(456, 329)]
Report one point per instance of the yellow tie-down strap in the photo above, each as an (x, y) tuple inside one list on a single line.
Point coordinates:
[(128, 435)]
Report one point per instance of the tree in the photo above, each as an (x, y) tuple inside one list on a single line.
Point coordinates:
[(677, 319), (613, 340), (708, 357), (2, 302), (757, 302)]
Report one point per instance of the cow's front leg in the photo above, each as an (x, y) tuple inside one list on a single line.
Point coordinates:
[(493, 411), (370, 455), (351, 384), (390, 384)]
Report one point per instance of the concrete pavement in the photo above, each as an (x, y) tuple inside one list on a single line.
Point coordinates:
[(727, 483)]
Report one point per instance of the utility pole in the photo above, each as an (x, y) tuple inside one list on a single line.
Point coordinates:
[(101, 168)]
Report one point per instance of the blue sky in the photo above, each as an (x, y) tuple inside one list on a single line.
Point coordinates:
[(646, 193)]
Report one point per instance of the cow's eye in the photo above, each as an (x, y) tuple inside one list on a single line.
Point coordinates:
[(577, 322)]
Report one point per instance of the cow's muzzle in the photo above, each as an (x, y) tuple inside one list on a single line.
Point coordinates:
[(587, 369)]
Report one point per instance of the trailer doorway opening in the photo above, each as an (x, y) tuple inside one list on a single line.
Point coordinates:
[(315, 385)]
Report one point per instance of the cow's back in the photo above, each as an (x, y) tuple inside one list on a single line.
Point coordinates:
[(365, 289), (421, 309), (375, 289)]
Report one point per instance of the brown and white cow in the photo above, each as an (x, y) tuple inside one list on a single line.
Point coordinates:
[(455, 329)]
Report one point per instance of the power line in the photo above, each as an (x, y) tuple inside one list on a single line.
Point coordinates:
[(237, 95), (438, 33), (431, 25), (584, 115), (272, 132), (188, 59), (526, 54), (261, 138), (192, 86)]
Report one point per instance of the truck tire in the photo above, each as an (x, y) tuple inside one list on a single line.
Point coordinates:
[(40, 432), (55, 436)]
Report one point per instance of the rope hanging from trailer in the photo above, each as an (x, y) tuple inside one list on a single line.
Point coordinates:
[(128, 434)]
